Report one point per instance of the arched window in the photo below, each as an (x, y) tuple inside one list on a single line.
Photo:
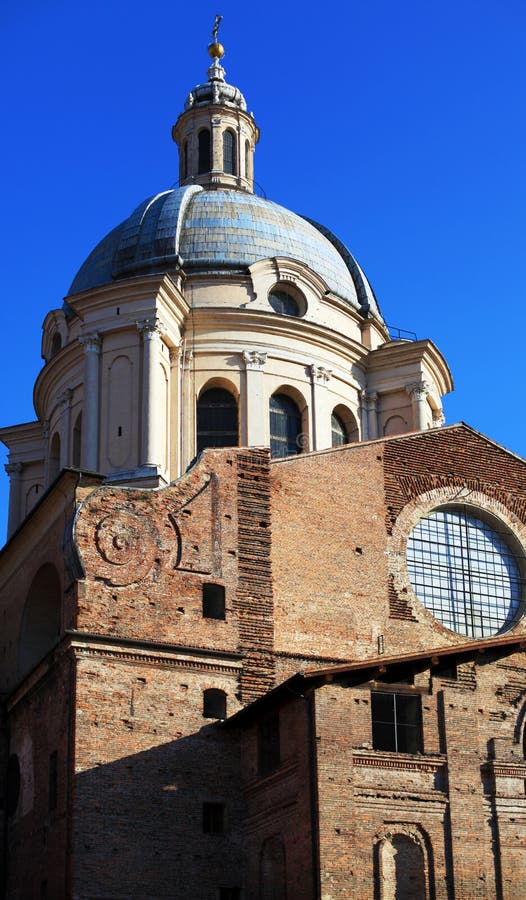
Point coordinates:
[(77, 438), (283, 303), (41, 619), (229, 153), (214, 704), (402, 869), (285, 427), (217, 424), (56, 343), (203, 140), (54, 457), (338, 431)]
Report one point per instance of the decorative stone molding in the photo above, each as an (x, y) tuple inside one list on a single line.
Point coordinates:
[(92, 342), (14, 470), (439, 418), (64, 399), (369, 400), (319, 374), (150, 329), (418, 390), (254, 359)]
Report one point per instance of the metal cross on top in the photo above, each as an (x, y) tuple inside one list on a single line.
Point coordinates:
[(215, 29)]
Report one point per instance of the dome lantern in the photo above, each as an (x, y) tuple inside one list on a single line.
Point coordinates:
[(215, 134)]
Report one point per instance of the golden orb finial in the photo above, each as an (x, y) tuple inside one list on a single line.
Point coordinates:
[(215, 49)]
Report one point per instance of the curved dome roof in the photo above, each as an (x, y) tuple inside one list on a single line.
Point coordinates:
[(197, 229)]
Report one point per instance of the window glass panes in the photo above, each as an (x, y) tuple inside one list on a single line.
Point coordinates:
[(339, 431), (229, 153), (465, 572), (396, 722), (285, 426), (216, 419), (281, 302), (203, 162)]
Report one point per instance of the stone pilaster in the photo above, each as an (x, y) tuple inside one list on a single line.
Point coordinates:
[(255, 425), (321, 436), (151, 330), (14, 470), (418, 392), (89, 450), (369, 401)]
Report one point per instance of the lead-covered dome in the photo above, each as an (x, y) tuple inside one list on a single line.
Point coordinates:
[(194, 229)]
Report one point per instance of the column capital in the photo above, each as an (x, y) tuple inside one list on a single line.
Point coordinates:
[(14, 469), (439, 418), (319, 374), (92, 342), (254, 359), (65, 397), (369, 399), (418, 390), (151, 329)]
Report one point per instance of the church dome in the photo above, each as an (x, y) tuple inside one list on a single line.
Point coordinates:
[(195, 229)]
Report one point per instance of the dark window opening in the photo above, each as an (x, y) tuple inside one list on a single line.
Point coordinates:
[(213, 601), (56, 343), (269, 755), (203, 160), (397, 722), (43, 890), (339, 431), (217, 424), (13, 784), (213, 818), (282, 302), (447, 670), (214, 704), (232, 893), (53, 780), (229, 153), (285, 427)]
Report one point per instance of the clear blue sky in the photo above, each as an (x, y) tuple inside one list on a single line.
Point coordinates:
[(401, 126)]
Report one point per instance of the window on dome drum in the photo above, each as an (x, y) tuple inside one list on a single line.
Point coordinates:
[(214, 704), (282, 303), (269, 751), (339, 431), (213, 601), (229, 153), (464, 571), (203, 156), (217, 421), (285, 427), (213, 818), (397, 722)]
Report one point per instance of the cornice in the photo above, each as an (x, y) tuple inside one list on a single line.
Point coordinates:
[(377, 759), (249, 322)]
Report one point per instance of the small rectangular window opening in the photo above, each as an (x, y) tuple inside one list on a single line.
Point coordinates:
[(269, 750), (53, 779), (213, 601), (229, 893), (397, 722), (213, 818)]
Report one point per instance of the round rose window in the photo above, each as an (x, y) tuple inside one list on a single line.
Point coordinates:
[(465, 572)]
